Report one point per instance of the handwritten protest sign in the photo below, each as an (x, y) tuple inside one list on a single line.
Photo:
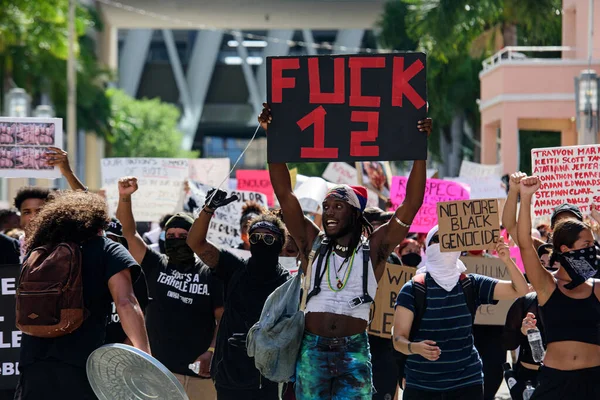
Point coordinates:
[(256, 180), (569, 174), (486, 187), (436, 190), (10, 336), (209, 171), (160, 181), (470, 169), (24, 144), (347, 107), (382, 310), (494, 268), (468, 225)]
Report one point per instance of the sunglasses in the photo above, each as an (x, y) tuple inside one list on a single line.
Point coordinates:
[(265, 237)]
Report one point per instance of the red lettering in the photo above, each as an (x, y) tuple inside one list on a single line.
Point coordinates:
[(314, 81), (400, 83), (278, 82), (356, 65), (370, 135), (316, 118)]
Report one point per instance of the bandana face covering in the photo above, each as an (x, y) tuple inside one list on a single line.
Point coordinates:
[(580, 265), (179, 252)]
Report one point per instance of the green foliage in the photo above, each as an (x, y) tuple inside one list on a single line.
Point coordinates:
[(34, 52), (534, 140), (144, 128)]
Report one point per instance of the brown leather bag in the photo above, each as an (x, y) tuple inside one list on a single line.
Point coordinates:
[(50, 292)]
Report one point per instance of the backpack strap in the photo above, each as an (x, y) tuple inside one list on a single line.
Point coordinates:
[(366, 297), (420, 300), (321, 244), (468, 286)]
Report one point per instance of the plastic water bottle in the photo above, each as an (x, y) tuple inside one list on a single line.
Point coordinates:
[(528, 392), (509, 376), (535, 342), (195, 367)]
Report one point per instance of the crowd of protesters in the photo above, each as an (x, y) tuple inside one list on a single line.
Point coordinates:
[(172, 293)]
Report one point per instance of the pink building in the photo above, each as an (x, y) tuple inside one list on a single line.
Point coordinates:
[(519, 93)]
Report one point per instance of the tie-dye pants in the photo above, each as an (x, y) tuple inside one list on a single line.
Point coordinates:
[(334, 368)]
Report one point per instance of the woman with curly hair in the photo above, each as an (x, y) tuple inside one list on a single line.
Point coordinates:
[(57, 366)]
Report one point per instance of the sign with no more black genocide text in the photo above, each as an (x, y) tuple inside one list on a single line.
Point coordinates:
[(347, 108)]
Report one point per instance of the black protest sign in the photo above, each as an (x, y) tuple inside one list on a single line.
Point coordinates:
[(382, 310), (346, 108), (10, 336), (468, 225)]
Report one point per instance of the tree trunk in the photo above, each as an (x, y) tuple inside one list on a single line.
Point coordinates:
[(509, 34)]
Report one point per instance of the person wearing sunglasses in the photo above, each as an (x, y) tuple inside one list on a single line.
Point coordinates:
[(247, 283)]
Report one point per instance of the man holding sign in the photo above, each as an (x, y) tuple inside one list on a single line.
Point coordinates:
[(343, 279)]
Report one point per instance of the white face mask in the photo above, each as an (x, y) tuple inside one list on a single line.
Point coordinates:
[(289, 263), (444, 268)]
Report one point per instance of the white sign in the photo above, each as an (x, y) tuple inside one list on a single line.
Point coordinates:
[(470, 169), (489, 187), (569, 174), (311, 194), (24, 145), (210, 171), (160, 182)]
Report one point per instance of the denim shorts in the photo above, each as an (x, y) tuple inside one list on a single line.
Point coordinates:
[(334, 368)]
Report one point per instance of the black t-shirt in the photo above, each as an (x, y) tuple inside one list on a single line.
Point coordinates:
[(247, 289), (114, 329), (180, 317), (9, 250), (101, 259)]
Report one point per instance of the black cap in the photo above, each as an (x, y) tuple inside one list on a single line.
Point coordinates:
[(372, 214), (566, 208), (114, 228)]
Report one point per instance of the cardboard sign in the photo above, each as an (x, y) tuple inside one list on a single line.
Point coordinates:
[(254, 180), (494, 268), (10, 336), (382, 310), (377, 176), (436, 190), (160, 181), (468, 225), (24, 144), (347, 107), (210, 171), (569, 174), (470, 169)]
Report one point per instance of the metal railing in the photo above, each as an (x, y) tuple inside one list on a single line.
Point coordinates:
[(511, 54)]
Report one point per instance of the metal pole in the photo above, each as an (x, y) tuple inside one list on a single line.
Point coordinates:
[(72, 90), (590, 31)]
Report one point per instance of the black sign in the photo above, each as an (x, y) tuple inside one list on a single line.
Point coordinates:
[(347, 108), (10, 336)]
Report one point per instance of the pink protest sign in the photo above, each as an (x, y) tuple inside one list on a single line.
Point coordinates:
[(256, 180), (436, 190), (515, 254)]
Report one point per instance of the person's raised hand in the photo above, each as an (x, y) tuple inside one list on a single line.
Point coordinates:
[(529, 185), (265, 118), (595, 212), (515, 180), (216, 198), (427, 349), (425, 125), (503, 250), (128, 186), (56, 157)]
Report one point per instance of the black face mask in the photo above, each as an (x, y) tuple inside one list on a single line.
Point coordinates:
[(411, 259), (580, 265), (179, 252), (265, 255)]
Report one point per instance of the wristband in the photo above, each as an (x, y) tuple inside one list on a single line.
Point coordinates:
[(409, 349), (208, 212), (211, 349), (401, 223)]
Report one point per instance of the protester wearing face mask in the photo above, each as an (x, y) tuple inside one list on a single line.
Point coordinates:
[(250, 210), (569, 302), (187, 300), (410, 253), (247, 286), (441, 356)]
